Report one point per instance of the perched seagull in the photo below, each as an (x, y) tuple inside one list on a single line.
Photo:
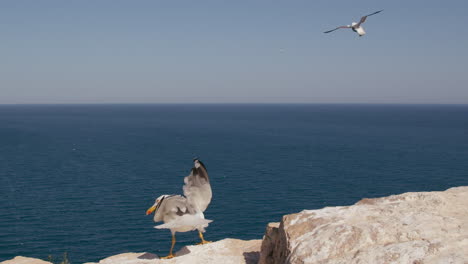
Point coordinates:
[(183, 214), (356, 27)]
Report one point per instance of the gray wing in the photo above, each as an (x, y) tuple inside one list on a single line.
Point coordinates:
[(197, 187), (363, 19), (336, 29), (171, 207)]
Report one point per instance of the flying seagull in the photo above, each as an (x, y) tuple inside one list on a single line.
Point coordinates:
[(356, 27), (183, 214)]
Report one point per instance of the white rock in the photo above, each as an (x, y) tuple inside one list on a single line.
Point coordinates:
[(226, 251), (416, 228), (25, 260)]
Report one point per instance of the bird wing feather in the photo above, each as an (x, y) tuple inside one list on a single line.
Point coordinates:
[(171, 206), (336, 29), (363, 19), (197, 188)]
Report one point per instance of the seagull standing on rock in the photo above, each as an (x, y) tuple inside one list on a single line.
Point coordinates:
[(183, 214), (356, 27)]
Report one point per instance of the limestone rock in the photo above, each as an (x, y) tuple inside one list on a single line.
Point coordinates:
[(416, 228), (226, 251), (271, 244), (25, 260)]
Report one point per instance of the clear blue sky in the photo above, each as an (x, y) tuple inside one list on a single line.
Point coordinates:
[(232, 51)]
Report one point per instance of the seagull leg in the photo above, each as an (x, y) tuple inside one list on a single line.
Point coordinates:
[(172, 247), (203, 241)]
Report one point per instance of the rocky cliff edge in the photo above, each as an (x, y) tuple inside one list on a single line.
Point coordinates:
[(413, 228)]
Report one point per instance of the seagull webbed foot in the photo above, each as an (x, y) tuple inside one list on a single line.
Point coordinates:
[(168, 256), (203, 242)]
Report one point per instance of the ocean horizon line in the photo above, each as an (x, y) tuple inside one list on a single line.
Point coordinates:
[(232, 103)]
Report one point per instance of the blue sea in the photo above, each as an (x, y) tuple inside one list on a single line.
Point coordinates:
[(79, 178)]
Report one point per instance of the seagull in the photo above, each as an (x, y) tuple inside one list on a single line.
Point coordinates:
[(183, 214), (356, 27)]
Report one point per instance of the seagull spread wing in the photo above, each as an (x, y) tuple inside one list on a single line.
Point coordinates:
[(172, 206), (363, 19), (197, 188), (336, 29)]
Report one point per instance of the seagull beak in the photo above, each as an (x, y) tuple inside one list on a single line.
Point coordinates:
[(151, 210)]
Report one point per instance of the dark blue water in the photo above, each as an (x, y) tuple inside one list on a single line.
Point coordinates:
[(79, 178)]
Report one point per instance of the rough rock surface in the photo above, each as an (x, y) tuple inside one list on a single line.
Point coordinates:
[(25, 260), (416, 228), (226, 251), (413, 228)]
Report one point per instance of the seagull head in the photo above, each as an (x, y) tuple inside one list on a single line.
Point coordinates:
[(156, 204)]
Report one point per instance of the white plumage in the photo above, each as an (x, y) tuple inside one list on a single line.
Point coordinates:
[(183, 214), (356, 27)]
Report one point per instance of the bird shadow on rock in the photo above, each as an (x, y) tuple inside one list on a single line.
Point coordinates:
[(148, 256), (183, 251), (252, 257)]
